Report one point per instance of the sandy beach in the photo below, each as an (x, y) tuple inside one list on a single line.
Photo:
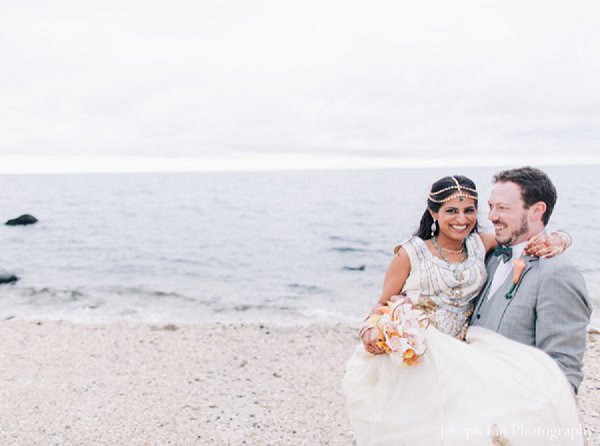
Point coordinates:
[(213, 384)]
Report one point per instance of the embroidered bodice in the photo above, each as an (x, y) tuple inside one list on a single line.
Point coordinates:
[(445, 291)]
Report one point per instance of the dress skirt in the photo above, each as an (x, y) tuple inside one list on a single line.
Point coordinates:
[(489, 390)]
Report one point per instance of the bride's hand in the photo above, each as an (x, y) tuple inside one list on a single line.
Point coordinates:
[(546, 245), (370, 335), (370, 338)]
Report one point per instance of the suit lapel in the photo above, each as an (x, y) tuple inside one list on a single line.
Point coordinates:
[(503, 289), (530, 262), (499, 301)]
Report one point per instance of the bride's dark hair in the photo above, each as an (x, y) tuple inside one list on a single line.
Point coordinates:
[(441, 189)]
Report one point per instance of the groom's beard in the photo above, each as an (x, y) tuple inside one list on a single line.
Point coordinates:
[(513, 239)]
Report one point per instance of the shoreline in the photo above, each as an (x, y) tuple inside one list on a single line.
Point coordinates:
[(255, 320), (155, 383)]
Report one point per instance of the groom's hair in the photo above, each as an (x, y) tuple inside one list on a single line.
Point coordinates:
[(535, 186)]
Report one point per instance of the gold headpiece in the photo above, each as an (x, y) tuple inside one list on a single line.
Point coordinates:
[(461, 192)]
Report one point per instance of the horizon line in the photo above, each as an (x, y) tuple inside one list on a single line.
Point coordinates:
[(263, 162)]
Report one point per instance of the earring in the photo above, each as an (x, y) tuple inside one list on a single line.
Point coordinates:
[(433, 227)]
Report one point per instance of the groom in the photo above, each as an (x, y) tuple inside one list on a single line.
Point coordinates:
[(545, 304)]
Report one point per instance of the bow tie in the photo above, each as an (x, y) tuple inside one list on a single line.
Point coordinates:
[(503, 251)]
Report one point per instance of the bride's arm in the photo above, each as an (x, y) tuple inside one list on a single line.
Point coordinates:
[(394, 280), (489, 240), (541, 245), (549, 245)]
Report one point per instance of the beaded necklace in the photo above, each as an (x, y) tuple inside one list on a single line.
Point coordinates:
[(458, 275)]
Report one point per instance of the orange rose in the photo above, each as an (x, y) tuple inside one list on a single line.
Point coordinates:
[(519, 265)]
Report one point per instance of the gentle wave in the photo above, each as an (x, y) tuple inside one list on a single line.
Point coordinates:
[(348, 249)]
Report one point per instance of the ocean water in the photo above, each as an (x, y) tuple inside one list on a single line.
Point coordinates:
[(288, 247)]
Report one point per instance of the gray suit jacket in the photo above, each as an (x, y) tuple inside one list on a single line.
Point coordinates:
[(548, 310)]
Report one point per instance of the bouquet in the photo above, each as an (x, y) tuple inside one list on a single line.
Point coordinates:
[(401, 329)]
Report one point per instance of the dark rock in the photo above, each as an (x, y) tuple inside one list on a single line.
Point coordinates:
[(355, 268), (7, 277), (170, 327), (24, 219)]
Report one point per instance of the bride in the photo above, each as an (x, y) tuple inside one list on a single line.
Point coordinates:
[(488, 390)]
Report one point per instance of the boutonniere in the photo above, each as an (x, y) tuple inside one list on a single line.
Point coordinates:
[(519, 265)]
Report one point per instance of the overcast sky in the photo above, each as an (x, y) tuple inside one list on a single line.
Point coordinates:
[(465, 79)]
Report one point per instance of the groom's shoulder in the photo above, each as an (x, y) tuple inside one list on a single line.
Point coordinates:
[(556, 263), (559, 267), (558, 280)]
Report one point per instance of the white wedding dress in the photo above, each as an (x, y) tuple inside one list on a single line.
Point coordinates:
[(488, 390)]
